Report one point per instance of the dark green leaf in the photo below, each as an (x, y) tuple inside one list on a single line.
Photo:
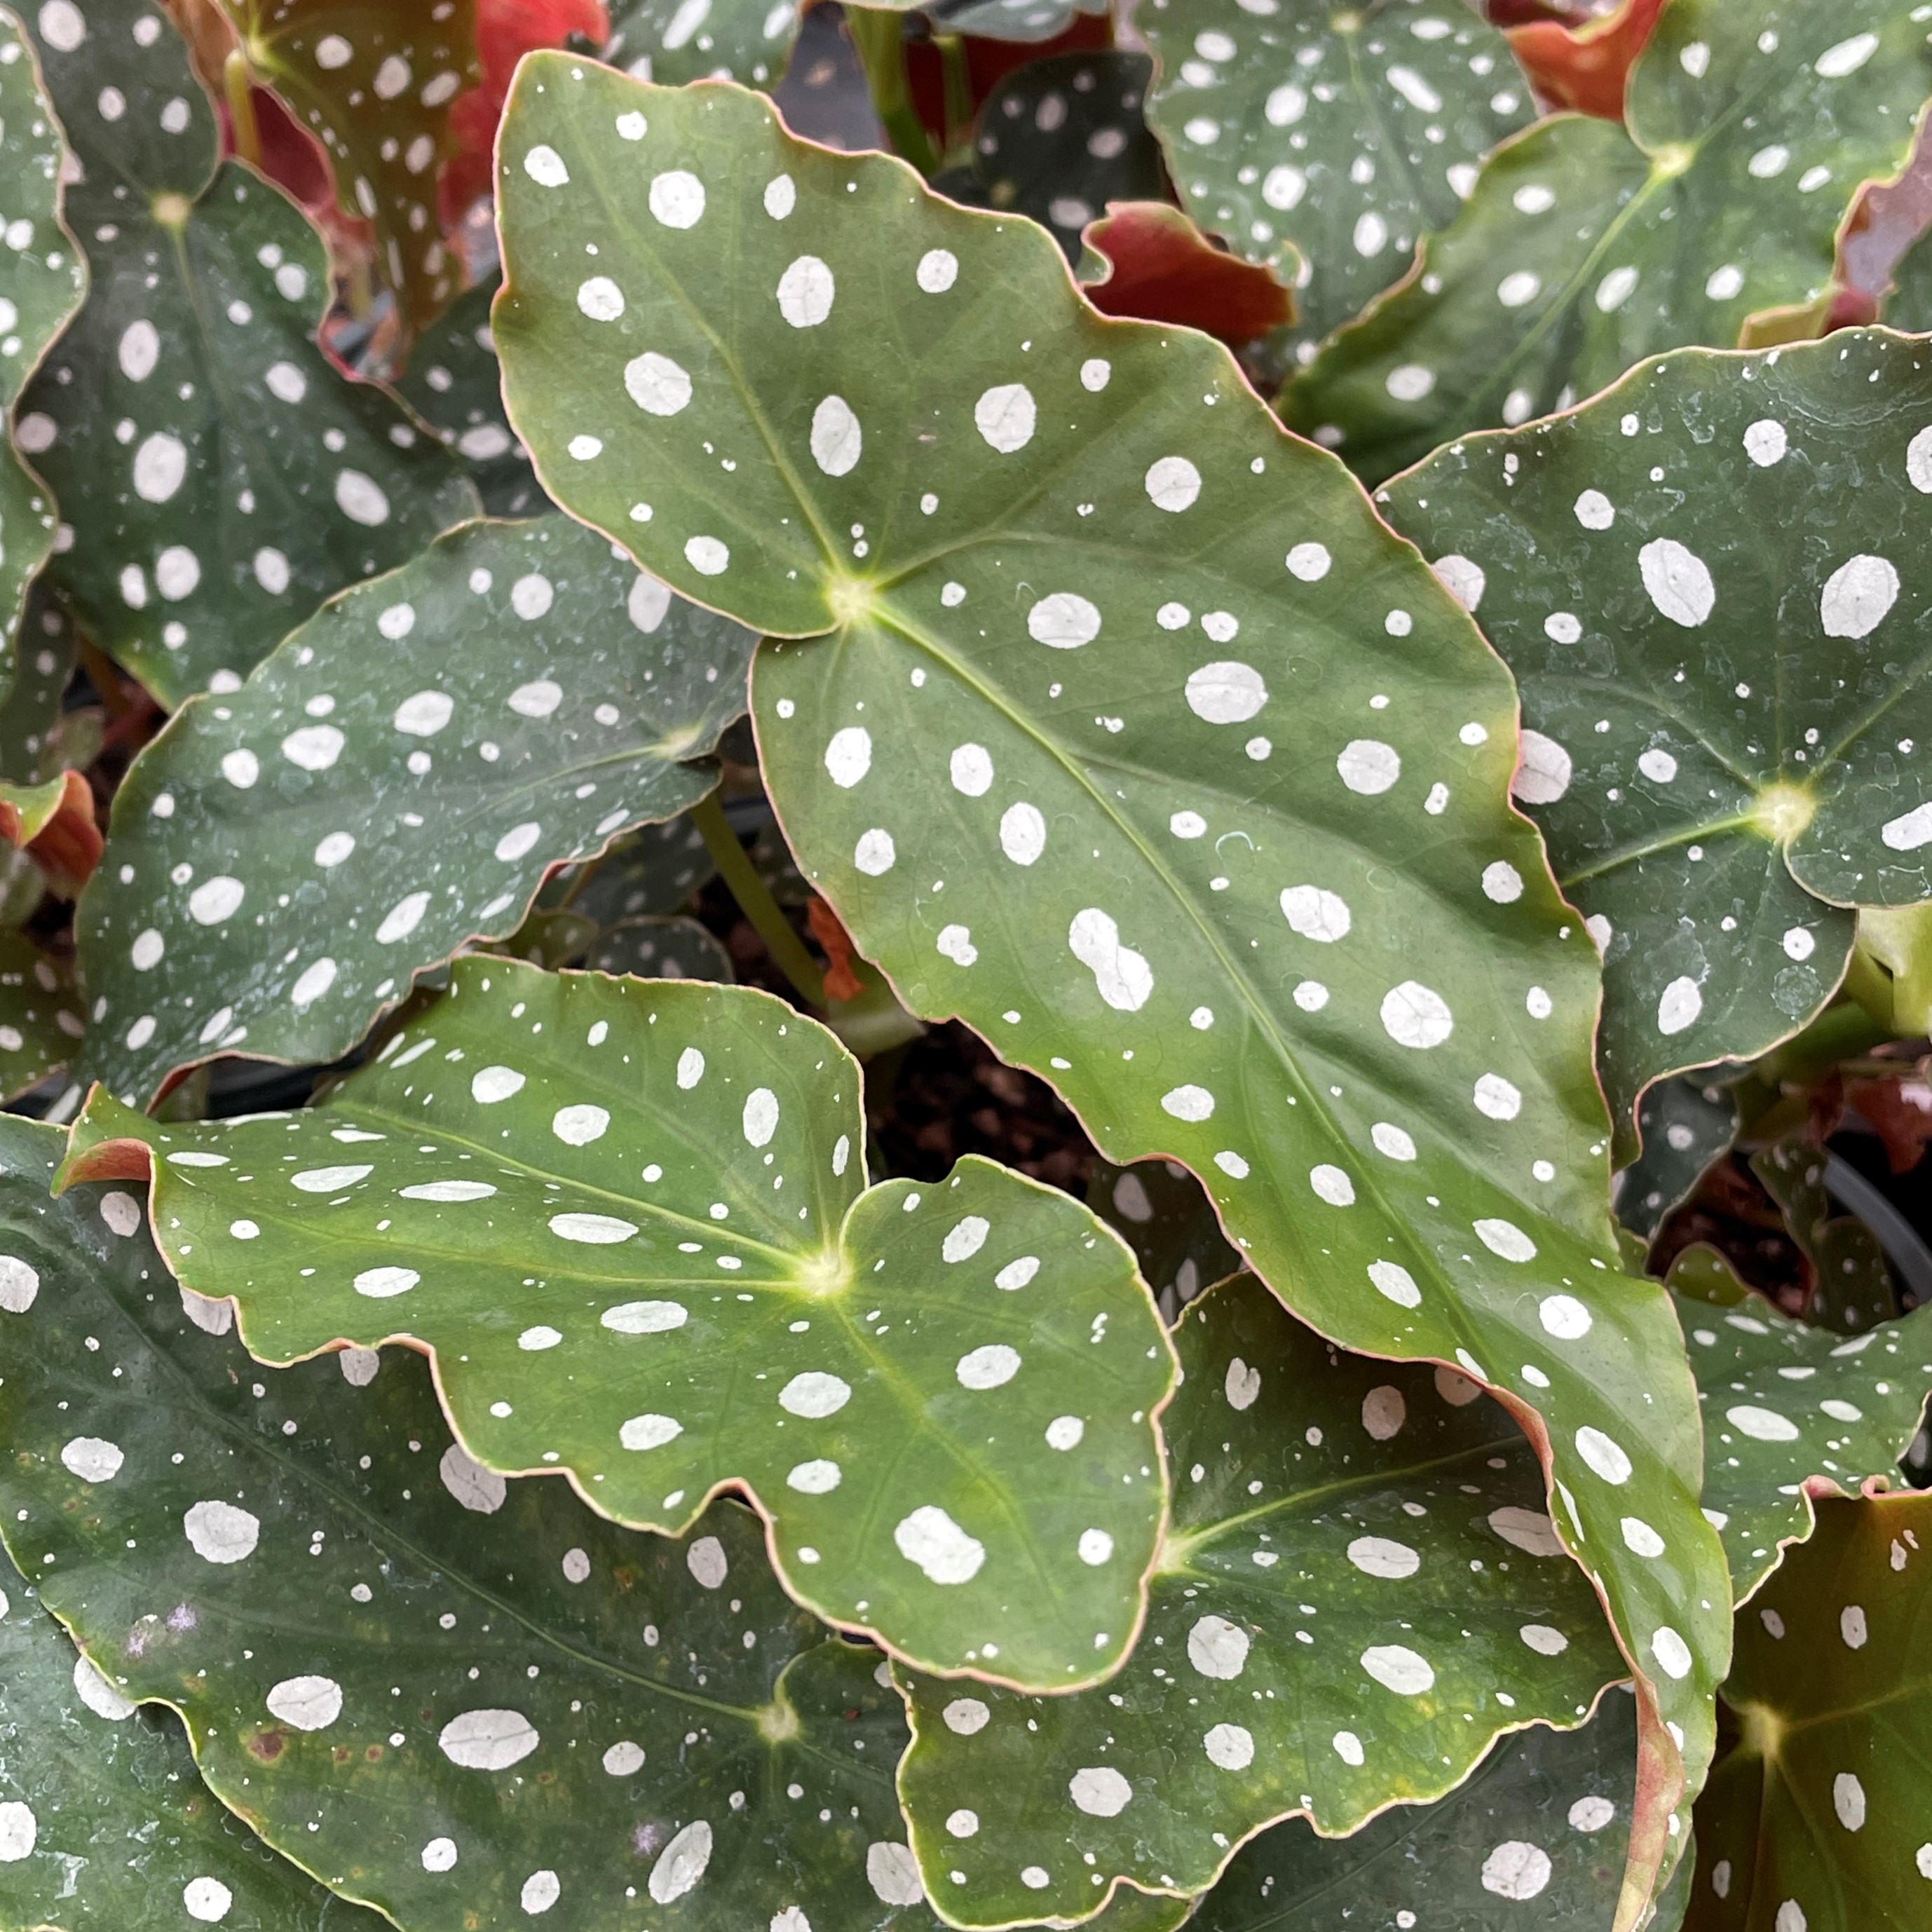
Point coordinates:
[(396, 777), (673, 1278), (1684, 1125), (1722, 670), (1001, 20), (39, 1017), (661, 949), (1159, 1209), (220, 476), (676, 40), (1854, 1287), (1584, 249), (1359, 1591), (1305, 938), (1346, 133), (37, 739), (654, 870)]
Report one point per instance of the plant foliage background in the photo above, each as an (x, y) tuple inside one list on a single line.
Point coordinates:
[(964, 966)]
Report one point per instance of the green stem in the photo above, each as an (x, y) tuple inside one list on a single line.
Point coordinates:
[(235, 83), (959, 80), (877, 36), (755, 901)]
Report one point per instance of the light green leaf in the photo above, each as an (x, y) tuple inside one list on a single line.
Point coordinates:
[(1542, 1817), (1584, 249), (1792, 1414), (1059, 138), (678, 40), (397, 778), (1345, 132), (1685, 1125), (453, 383), (1853, 1286), (630, 1219), (1158, 1208), (372, 80), (43, 276), (1815, 1819), (119, 1831), (1359, 1590), (430, 1687), (1305, 939), (220, 476), (39, 1014), (1708, 583)]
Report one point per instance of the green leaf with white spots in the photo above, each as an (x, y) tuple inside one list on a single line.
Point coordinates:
[(1816, 1820), (1792, 1414), (1711, 586), (1853, 1289), (1308, 949), (220, 475), (661, 949), (1359, 1590), (43, 277), (1346, 133), (1158, 1208), (373, 81), (652, 872), (453, 383), (630, 1219), (674, 41), (1684, 1125), (105, 1824), (1908, 301), (1542, 1817), (1059, 138), (397, 778), (999, 19), (1583, 249), (37, 738), (445, 1694), (39, 1014)]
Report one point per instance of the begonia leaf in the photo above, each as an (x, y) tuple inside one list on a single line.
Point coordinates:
[(1059, 138), (373, 81), (661, 949), (1816, 1820), (459, 1700), (675, 1194), (39, 1014), (1149, 260), (1908, 301), (1791, 1414), (1708, 583), (37, 738), (43, 276), (1853, 1287), (648, 872), (1685, 1125), (1346, 133), (1542, 1817), (55, 822), (105, 1824), (999, 19), (1585, 67), (1751, 129), (1397, 1092), (220, 475), (1159, 1209), (677, 41), (412, 759), (453, 383), (1359, 1590)]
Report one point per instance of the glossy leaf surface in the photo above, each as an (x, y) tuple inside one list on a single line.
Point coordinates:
[(1542, 1817), (1158, 1208), (642, 1250), (411, 762), (1345, 132), (1792, 1413), (674, 41), (205, 534), (488, 1701), (1359, 1591), (1708, 584), (1585, 67), (119, 1832), (1308, 950), (1817, 1817), (1685, 1125), (1583, 249), (372, 80)]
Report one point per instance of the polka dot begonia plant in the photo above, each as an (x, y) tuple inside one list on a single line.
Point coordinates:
[(1019, 1025)]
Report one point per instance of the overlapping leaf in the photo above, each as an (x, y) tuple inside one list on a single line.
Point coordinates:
[(1816, 1819), (1000, 20), (1346, 133), (453, 383), (1908, 302), (40, 1015), (220, 476), (43, 276), (373, 81), (1685, 1125), (454, 1698), (1307, 950), (1851, 1286), (660, 949), (654, 870), (398, 776), (1542, 1817), (676, 40), (37, 740), (630, 1219), (104, 1823), (1157, 1207), (1710, 583), (1360, 1589), (1791, 1414), (1146, 258), (1583, 249), (1059, 138)]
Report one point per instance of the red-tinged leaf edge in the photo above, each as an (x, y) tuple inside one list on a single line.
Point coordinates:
[(1161, 268), (1584, 68), (55, 822)]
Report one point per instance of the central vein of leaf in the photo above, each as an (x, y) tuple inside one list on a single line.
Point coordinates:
[(1762, 1731)]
